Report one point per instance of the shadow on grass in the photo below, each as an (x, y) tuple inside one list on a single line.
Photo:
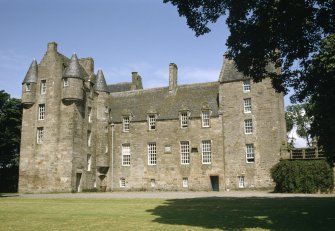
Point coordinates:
[(241, 213)]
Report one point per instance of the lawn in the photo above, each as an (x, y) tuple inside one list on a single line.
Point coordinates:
[(173, 214)]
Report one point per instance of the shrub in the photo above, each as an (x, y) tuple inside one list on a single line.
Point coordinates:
[(303, 176)]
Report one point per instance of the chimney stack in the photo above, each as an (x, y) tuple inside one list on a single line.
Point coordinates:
[(52, 46), (173, 75)]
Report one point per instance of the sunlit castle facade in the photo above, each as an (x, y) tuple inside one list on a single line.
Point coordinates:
[(80, 134)]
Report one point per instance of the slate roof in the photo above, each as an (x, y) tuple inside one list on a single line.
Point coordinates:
[(229, 72), (31, 76), (75, 70), (139, 103), (100, 82), (120, 87)]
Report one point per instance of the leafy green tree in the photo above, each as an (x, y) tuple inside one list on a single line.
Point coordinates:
[(271, 35), (10, 135), (296, 116)]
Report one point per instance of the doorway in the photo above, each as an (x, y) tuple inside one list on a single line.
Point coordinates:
[(78, 181), (215, 183)]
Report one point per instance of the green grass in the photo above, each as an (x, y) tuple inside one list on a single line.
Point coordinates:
[(177, 214)]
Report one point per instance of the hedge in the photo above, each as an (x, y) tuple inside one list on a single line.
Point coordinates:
[(303, 176)]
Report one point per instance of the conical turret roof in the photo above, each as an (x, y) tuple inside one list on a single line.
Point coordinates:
[(100, 83), (31, 76), (74, 69)]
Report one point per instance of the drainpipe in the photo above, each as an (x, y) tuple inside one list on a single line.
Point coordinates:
[(112, 167)]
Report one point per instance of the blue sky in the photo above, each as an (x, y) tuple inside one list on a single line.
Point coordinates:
[(120, 35)]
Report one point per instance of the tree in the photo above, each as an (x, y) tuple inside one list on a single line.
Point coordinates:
[(10, 135), (296, 116), (271, 35)]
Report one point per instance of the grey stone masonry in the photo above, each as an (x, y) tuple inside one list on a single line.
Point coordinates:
[(78, 133)]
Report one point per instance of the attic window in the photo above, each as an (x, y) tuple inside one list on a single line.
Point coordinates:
[(28, 87), (205, 119), (246, 86), (183, 120), (125, 123), (152, 122)]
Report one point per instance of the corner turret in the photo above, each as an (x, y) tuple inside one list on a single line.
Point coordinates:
[(100, 83), (73, 80), (29, 85)]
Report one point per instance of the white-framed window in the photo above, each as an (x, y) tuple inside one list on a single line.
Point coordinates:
[(246, 85), (153, 183), (125, 154), (28, 87), (41, 111), (241, 181), (247, 105), (43, 87), (249, 151), (152, 122), (152, 154), (184, 152), (248, 126), (89, 162), (89, 138), (65, 82), (183, 119), (185, 182), (125, 124), (89, 114), (122, 182), (205, 119), (39, 135), (206, 152)]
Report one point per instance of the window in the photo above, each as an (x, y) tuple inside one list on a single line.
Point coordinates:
[(89, 162), (125, 154), (122, 182), (152, 122), (248, 126), (246, 86), (40, 132), (241, 181), (152, 182), (247, 105), (65, 82), (205, 119), (206, 152), (183, 120), (89, 137), (28, 87), (89, 114), (185, 182), (106, 109), (184, 152), (250, 156), (43, 87), (41, 111), (125, 124), (152, 155)]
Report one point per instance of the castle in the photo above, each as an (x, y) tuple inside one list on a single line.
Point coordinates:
[(78, 133)]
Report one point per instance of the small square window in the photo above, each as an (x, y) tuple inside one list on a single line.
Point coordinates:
[(28, 87), (122, 182), (43, 87)]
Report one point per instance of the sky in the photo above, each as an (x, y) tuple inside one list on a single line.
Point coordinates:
[(121, 36)]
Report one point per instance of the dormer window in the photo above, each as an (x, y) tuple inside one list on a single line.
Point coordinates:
[(152, 122), (205, 119), (125, 124), (65, 82), (28, 87), (246, 85), (183, 119)]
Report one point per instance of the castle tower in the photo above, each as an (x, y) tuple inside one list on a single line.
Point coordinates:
[(102, 148)]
